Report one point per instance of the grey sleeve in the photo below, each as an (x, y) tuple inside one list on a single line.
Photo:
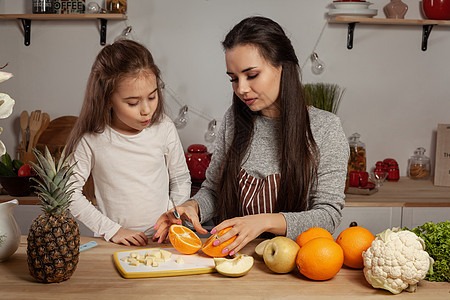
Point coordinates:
[(326, 198)]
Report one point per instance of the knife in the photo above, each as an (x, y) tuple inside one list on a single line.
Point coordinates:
[(175, 212)]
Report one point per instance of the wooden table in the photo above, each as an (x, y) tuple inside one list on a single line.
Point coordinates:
[(97, 278)]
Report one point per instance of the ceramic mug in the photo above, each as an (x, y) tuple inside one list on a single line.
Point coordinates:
[(358, 178)]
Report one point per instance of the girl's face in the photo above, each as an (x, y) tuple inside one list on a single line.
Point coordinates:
[(255, 81), (134, 102)]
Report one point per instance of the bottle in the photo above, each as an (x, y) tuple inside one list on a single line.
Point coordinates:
[(357, 159), (419, 165), (43, 7)]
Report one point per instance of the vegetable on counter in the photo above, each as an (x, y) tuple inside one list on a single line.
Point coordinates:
[(396, 261), (437, 244)]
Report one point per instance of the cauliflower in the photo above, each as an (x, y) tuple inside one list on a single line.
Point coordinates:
[(396, 261)]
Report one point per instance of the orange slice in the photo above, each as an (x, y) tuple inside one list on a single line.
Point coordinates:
[(184, 240), (216, 251)]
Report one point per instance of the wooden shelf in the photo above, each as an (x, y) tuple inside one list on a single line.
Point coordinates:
[(26, 21), (427, 25)]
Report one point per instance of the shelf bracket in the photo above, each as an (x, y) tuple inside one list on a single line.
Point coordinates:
[(351, 29), (425, 35), (103, 23), (26, 23)]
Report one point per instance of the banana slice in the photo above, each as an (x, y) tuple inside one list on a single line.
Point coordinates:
[(235, 267)]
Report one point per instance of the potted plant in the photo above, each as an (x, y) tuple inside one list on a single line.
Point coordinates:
[(326, 96)]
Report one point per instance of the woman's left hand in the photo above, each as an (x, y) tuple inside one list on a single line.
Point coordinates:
[(248, 228)]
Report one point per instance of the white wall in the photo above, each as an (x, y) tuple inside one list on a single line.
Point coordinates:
[(396, 94)]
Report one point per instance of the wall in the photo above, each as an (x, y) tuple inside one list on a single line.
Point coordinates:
[(396, 94)]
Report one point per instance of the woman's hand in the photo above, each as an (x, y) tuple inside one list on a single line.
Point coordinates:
[(188, 211), (129, 237), (248, 228)]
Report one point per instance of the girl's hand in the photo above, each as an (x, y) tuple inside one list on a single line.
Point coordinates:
[(248, 228), (188, 211), (129, 237)]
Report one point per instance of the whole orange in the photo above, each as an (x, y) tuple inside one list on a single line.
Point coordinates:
[(312, 233), (354, 240), (216, 251), (320, 259)]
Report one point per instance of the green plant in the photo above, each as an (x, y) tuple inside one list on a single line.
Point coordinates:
[(326, 96)]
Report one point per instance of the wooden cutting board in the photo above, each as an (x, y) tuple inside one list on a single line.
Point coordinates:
[(197, 263), (58, 131)]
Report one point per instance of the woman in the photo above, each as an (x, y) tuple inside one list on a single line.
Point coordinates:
[(279, 166)]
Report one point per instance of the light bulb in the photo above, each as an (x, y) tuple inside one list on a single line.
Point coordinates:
[(317, 66), (181, 120), (94, 8), (210, 134), (125, 33)]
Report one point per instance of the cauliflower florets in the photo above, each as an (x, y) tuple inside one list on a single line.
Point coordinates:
[(396, 261)]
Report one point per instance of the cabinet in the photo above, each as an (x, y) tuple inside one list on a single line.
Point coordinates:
[(427, 26), (27, 18)]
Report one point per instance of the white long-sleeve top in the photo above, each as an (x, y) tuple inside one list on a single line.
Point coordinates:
[(134, 176)]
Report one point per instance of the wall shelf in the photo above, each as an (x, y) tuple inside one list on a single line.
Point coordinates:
[(427, 26), (27, 18)]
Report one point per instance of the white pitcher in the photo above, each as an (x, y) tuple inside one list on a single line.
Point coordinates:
[(9, 230)]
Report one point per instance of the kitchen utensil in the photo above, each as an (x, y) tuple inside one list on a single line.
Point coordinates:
[(87, 246), (193, 264), (35, 125), (44, 125), (175, 212), (24, 126)]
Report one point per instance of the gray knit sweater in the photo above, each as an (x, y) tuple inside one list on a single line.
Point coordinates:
[(326, 197)]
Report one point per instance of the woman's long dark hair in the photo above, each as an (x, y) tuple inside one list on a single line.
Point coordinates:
[(298, 157), (114, 62)]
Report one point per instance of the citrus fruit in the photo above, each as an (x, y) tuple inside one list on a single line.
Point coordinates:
[(216, 251), (320, 259), (354, 240), (184, 240), (235, 267), (312, 233)]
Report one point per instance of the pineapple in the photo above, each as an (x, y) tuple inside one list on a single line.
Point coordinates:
[(54, 237)]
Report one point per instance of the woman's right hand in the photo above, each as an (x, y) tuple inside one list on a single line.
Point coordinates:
[(188, 211), (129, 237)]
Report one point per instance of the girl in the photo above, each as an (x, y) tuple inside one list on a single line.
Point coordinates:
[(279, 166), (132, 150)]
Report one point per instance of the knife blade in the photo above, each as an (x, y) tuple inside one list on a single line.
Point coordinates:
[(175, 212)]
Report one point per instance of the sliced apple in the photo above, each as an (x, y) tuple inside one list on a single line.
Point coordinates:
[(259, 249), (234, 267)]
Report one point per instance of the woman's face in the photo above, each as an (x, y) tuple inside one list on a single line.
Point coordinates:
[(255, 81), (134, 102)]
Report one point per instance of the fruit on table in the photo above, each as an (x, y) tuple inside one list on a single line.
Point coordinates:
[(353, 241), (259, 249), (150, 258), (320, 259), (312, 233), (396, 261), (235, 267), (216, 251), (24, 171), (54, 237), (280, 253), (183, 239)]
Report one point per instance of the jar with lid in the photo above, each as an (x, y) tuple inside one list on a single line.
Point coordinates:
[(43, 6), (116, 6), (357, 159), (419, 165)]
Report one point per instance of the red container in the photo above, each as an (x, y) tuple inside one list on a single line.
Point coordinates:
[(198, 159), (436, 9)]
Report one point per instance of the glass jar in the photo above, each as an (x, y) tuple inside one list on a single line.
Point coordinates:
[(43, 7), (419, 165), (357, 159), (116, 6)]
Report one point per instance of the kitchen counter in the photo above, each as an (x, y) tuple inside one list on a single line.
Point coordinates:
[(97, 278)]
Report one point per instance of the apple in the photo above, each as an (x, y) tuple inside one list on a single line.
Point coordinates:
[(280, 254), (259, 249), (235, 267)]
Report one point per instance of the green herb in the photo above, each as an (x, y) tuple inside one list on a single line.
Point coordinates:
[(324, 96), (437, 244)]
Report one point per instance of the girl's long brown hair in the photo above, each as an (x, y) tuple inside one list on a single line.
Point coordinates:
[(124, 58), (298, 157)]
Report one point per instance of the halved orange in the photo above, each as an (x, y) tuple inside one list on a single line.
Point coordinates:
[(183, 239), (216, 251)]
